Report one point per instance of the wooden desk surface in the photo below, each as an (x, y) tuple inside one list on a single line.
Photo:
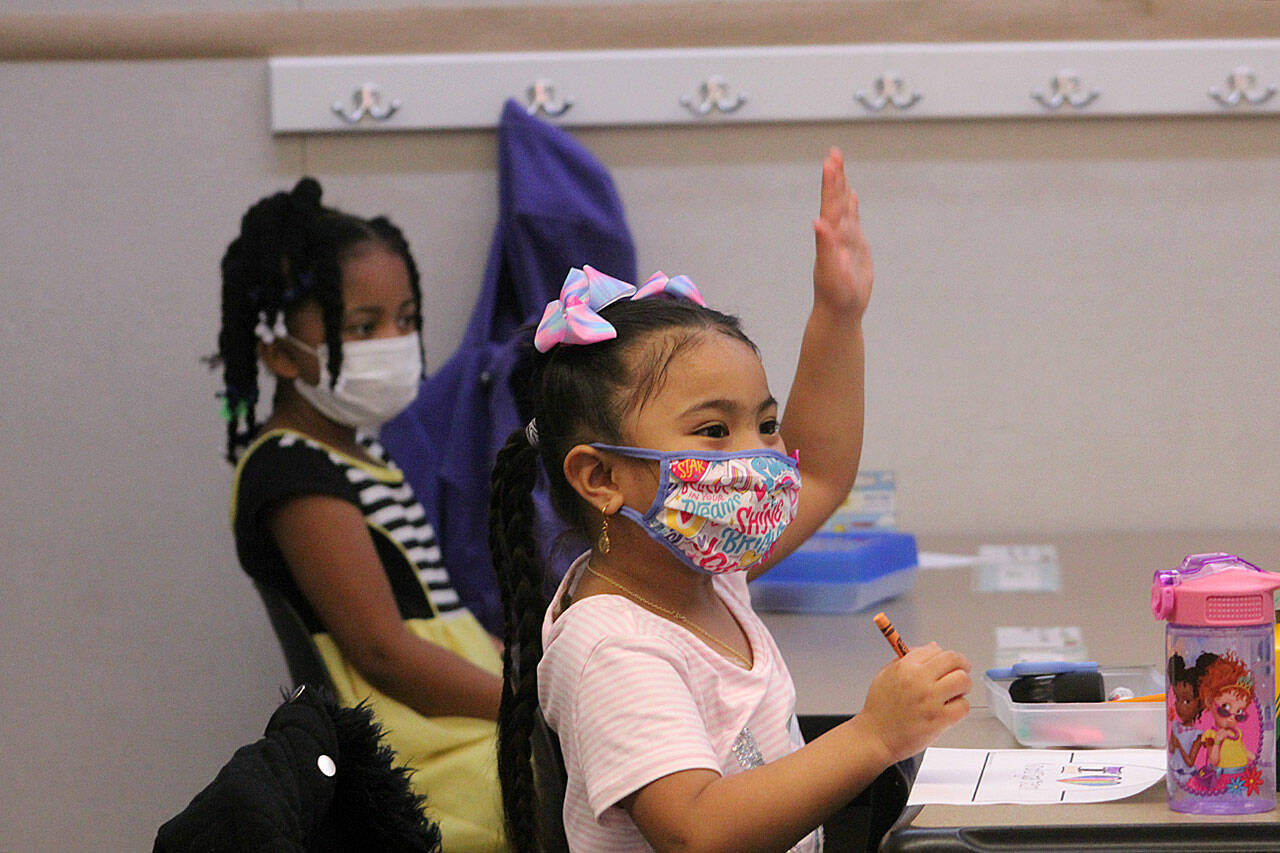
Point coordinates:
[(1106, 582)]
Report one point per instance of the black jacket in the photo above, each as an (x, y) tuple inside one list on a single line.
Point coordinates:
[(320, 779)]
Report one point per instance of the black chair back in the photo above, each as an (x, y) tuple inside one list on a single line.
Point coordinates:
[(549, 778), (301, 655), (861, 824)]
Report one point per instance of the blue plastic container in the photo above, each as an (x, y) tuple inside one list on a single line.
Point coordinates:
[(839, 573)]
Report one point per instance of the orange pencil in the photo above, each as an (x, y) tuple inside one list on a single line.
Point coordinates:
[(886, 628)]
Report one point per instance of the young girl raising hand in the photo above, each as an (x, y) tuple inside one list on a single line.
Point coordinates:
[(662, 445), (329, 303)]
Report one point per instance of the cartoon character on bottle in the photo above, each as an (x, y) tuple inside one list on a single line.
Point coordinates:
[(1226, 690), (1184, 731)]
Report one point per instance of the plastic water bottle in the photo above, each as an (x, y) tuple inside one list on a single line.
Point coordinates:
[(1220, 684)]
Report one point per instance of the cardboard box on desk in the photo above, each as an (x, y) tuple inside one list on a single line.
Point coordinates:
[(839, 573)]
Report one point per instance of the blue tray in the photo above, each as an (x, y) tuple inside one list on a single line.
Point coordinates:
[(839, 573)]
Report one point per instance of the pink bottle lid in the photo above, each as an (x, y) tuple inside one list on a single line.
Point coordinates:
[(1229, 596)]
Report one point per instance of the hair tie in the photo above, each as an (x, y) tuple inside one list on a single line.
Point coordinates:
[(232, 411), (531, 432), (575, 318), (267, 331)]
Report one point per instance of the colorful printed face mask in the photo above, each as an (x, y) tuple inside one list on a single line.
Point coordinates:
[(718, 512)]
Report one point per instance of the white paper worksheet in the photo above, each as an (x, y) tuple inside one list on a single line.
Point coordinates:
[(985, 776)]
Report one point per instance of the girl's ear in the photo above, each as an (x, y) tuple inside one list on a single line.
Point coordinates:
[(590, 473), (279, 358)]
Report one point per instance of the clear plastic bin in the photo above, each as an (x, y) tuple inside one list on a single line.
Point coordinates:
[(1086, 724)]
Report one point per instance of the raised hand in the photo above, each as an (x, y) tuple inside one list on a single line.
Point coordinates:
[(842, 271)]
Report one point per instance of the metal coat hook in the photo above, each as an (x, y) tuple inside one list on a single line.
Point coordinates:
[(542, 97), (1242, 86), (368, 102), (1067, 88), (890, 89), (714, 94)]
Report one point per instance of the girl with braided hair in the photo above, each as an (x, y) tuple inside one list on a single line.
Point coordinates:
[(661, 445), (1188, 705), (330, 304)]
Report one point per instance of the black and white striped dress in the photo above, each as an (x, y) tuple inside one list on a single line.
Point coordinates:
[(283, 464)]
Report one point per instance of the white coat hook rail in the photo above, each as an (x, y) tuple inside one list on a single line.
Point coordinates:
[(890, 90), (785, 83), (542, 97), (1242, 85), (1066, 87), (367, 102), (714, 95)]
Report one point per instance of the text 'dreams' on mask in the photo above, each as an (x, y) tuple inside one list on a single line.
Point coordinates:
[(378, 380), (718, 511)]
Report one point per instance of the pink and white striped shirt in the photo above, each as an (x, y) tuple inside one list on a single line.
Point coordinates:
[(634, 697)]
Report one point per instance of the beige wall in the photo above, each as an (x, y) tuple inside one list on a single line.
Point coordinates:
[(1074, 328), (236, 28)]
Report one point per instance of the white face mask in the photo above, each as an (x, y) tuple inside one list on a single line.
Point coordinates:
[(379, 379)]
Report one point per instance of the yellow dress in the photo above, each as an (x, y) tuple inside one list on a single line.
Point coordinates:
[(453, 759)]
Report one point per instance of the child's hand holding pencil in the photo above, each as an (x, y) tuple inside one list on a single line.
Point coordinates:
[(916, 697)]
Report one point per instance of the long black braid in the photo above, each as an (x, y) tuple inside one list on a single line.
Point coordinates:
[(290, 250), (523, 601), (580, 394)]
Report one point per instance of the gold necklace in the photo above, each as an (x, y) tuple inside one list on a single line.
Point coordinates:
[(676, 615)]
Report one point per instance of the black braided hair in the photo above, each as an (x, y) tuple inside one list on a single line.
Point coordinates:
[(520, 586), (578, 394), (290, 250)]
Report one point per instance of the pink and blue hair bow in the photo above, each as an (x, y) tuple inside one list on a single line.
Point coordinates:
[(575, 318)]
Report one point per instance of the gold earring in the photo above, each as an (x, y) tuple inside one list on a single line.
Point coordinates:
[(603, 543)]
